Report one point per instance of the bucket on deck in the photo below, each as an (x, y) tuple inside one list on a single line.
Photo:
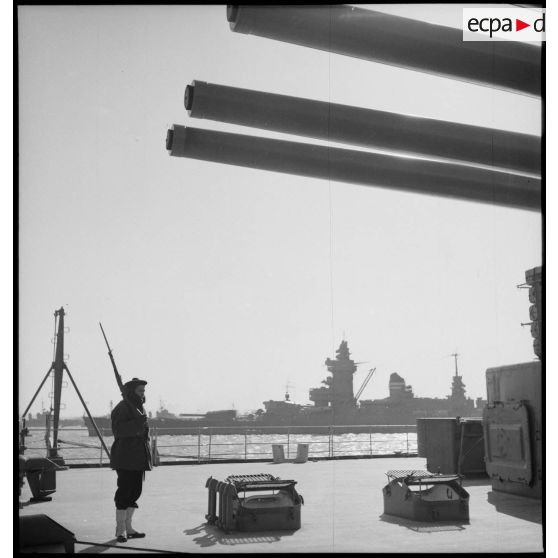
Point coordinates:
[(301, 453), (41, 476), (278, 453)]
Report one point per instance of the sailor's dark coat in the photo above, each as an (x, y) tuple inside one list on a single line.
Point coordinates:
[(130, 449)]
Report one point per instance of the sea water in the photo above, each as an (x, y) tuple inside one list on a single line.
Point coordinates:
[(77, 447)]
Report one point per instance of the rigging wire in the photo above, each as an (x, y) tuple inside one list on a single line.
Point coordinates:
[(330, 230), (330, 195)]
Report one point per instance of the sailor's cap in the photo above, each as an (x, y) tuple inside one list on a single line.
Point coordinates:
[(135, 382)]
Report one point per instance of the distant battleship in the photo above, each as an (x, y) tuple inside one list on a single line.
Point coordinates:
[(45, 418), (334, 405)]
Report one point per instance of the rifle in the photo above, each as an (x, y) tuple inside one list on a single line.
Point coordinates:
[(133, 408), (117, 375)]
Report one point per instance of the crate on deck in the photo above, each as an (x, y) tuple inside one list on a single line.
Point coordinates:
[(276, 506), (424, 496)]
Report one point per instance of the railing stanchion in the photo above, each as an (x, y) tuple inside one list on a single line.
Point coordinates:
[(156, 457), (199, 443), (370, 441), (245, 445), (288, 443), (407, 433), (209, 456)]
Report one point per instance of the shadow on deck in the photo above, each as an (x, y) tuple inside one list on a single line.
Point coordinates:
[(424, 527), (210, 535), (520, 507)]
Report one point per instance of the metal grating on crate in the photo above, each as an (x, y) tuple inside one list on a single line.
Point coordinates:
[(258, 477), (412, 477), (397, 474)]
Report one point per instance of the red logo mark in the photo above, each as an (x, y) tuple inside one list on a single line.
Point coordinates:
[(519, 25)]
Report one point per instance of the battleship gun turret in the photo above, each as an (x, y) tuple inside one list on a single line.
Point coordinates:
[(357, 167), (387, 39), (364, 127), (395, 40)]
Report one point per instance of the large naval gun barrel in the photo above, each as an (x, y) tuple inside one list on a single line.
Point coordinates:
[(395, 40), (364, 127), (356, 167)]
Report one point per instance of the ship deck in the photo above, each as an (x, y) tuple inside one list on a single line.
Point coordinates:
[(343, 512)]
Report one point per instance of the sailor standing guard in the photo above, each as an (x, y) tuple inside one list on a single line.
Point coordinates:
[(130, 455)]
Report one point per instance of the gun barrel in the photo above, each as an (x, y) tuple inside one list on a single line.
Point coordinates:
[(106, 340), (364, 127), (357, 167), (112, 361), (395, 40)]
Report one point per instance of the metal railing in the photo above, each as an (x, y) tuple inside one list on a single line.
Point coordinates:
[(220, 444)]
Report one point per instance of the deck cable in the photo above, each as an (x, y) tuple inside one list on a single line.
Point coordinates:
[(129, 547)]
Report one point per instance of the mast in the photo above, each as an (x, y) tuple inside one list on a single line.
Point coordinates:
[(457, 385), (57, 367), (455, 355), (287, 394), (58, 370)]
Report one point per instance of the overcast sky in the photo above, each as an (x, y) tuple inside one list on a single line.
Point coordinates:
[(220, 284)]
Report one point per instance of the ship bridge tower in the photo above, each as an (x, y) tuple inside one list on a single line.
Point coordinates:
[(457, 385), (338, 390)]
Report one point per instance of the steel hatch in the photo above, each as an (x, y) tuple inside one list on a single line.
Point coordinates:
[(507, 442)]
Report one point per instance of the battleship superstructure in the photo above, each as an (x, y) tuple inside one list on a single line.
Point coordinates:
[(334, 404)]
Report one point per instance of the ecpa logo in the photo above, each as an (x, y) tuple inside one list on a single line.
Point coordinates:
[(503, 24)]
